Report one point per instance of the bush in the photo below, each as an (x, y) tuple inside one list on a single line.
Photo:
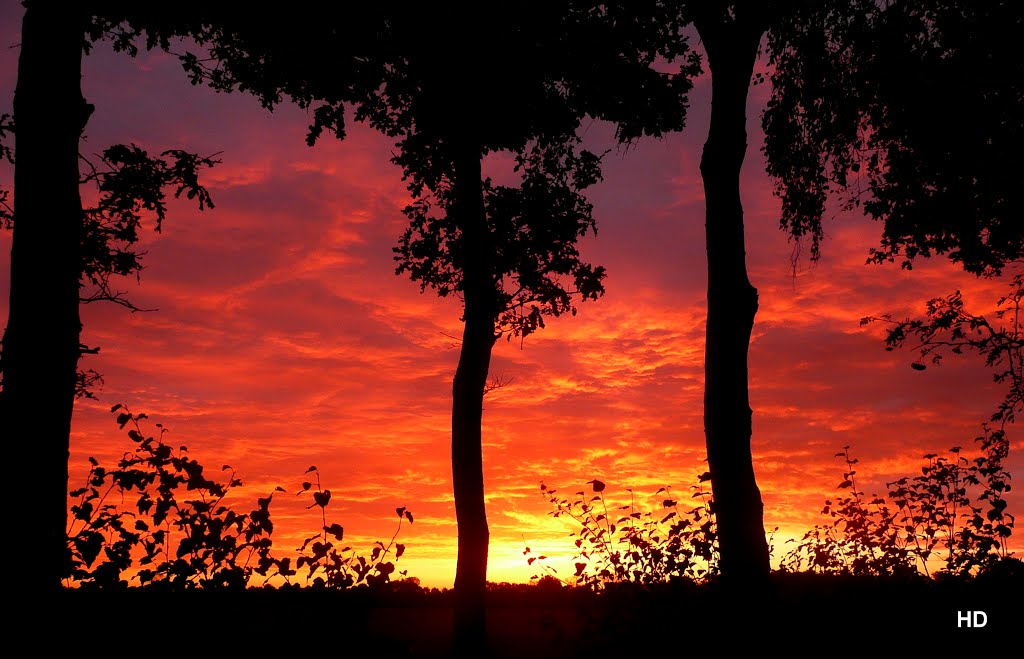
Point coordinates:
[(134, 524), (954, 513), (659, 546)]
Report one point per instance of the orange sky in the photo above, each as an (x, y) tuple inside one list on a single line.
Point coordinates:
[(284, 339)]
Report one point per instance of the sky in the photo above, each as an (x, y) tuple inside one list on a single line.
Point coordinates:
[(282, 337)]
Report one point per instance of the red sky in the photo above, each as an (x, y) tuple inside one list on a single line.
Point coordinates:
[(284, 338)]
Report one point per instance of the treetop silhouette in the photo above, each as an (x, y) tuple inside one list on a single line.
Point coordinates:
[(911, 111)]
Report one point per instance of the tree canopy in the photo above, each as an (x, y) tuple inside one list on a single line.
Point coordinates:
[(910, 110)]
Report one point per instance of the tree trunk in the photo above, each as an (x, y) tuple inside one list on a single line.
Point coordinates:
[(732, 304), (467, 404), (41, 341)]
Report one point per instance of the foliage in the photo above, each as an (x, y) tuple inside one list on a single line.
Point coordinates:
[(936, 510), (133, 524), (131, 184), (861, 105), (954, 513), (948, 326), (6, 155), (534, 228), (659, 546), (187, 540), (330, 567)]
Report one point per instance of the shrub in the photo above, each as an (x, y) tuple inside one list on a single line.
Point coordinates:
[(133, 524), (135, 515), (954, 513), (642, 547)]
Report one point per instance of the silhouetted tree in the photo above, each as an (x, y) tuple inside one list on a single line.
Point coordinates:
[(913, 106), (41, 342), (57, 248), (450, 85)]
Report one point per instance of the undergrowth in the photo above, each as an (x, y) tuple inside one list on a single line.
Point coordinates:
[(158, 520)]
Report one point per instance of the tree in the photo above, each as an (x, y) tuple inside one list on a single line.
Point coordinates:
[(41, 342), (861, 106), (57, 249), (451, 85), (731, 36)]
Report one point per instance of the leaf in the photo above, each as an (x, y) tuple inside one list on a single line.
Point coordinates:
[(336, 530), (321, 498), (399, 550), (313, 468), (598, 485), (400, 511), (408, 516), (306, 485), (918, 366)]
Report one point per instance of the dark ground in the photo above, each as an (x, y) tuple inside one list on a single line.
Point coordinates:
[(799, 615)]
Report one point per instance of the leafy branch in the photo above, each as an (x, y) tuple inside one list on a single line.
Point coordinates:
[(949, 328), (331, 567)]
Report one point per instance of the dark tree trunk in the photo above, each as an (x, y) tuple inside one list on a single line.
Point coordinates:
[(478, 338), (41, 341), (732, 303)]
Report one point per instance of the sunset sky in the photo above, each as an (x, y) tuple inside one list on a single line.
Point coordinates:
[(283, 338)]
